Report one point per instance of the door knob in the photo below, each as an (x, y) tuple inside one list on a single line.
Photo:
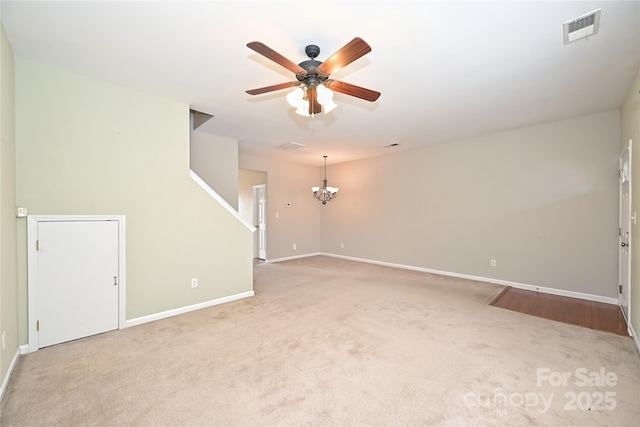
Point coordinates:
[(623, 244)]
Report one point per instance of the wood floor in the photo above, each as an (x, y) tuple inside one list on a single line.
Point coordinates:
[(589, 314)]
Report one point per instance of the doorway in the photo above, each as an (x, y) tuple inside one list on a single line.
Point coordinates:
[(76, 281), (252, 207), (260, 206)]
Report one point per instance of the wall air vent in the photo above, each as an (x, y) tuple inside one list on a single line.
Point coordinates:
[(581, 27), (289, 146)]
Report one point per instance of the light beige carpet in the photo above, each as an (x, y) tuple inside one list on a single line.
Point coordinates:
[(332, 342)]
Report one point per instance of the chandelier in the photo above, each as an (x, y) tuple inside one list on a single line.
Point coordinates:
[(324, 193)]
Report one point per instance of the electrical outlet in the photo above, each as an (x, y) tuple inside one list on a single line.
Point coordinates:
[(194, 282), (492, 263), (295, 247), (342, 245)]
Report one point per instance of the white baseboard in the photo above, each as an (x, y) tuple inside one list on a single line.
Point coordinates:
[(295, 257), (634, 336), (562, 292), (182, 310), (7, 377), (24, 349)]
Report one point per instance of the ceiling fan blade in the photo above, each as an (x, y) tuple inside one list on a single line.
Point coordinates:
[(353, 90), (271, 54), (272, 88), (345, 56), (314, 105)]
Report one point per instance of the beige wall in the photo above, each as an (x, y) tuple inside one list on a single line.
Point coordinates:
[(300, 223), (8, 263), (215, 160), (630, 124), (88, 147), (541, 201)]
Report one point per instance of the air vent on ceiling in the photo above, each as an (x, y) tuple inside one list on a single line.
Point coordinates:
[(289, 146), (581, 27)]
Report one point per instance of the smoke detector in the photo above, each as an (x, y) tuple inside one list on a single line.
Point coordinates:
[(581, 27)]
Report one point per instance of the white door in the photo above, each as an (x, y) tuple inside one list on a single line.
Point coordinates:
[(624, 234), (77, 268), (260, 202)]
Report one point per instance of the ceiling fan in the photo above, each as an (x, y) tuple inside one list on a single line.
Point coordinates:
[(314, 88)]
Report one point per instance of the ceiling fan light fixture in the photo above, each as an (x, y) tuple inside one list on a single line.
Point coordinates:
[(317, 89), (303, 109), (295, 97), (328, 106), (324, 94), (325, 98)]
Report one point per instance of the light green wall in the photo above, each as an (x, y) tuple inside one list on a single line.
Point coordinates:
[(300, 223), (630, 124), (88, 147), (542, 201), (8, 263)]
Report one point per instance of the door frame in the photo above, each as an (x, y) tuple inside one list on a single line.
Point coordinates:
[(32, 267), (256, 219), (631, 220)]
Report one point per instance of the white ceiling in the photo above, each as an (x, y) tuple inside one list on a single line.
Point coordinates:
[(446, 69)]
